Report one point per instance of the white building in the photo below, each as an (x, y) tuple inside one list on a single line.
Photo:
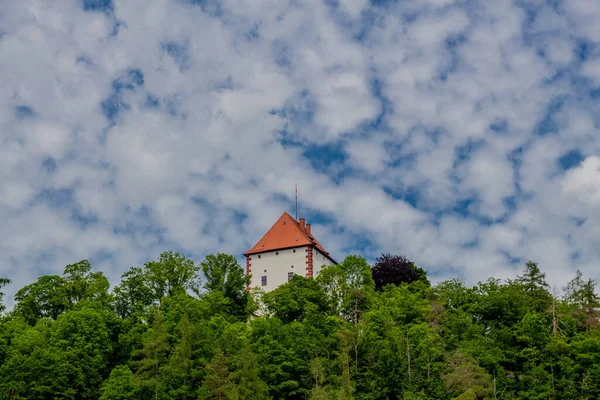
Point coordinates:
[(288, 248)]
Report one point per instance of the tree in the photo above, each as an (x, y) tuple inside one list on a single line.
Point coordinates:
[(348, 286), (357, 285), (533, 282), (52, 295), (83, 284), (171, 272), (217, 384), (133, 294), (466, 379), (395, 270), (36, 369), (119, 385), (3, 282), (45, 298), (246, 383), (225, 275), (296, 299), (155, 352), (581, 295), (182, 370), (83, 337)]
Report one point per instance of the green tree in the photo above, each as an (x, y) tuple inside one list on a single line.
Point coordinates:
[(349, 286), (84, 337), (154, 354), (581, 295), (533, 281), (246, 383), (83, 284), (133, 295), (52, 295), (217, 384), (181, 371), (224, 274), (296, 299), (170, 273), (119, 385), (465, 379), (3, 282), (46, 298)]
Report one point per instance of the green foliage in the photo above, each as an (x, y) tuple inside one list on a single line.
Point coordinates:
[(3, 282), (46, 298), (334, 337), (349, 287), (119, 385), (465, 379), (296, 299), (52, 295), (133, 295), (224, 274), (170, 273)]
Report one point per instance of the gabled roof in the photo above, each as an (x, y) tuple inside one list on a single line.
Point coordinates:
[(287, 233)]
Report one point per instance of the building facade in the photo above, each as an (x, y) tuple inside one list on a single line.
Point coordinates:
[(289, 248)]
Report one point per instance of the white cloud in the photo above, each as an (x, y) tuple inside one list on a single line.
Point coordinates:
[(583, 182), (591, 69), (199, 142)]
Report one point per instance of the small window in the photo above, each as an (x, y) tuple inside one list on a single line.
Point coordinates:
[(290, 276), (292, 266), (263, 281), (276, 253), (259, 256), (265, 270), (294, 250)]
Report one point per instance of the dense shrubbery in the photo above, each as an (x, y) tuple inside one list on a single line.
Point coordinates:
[(176, 330)]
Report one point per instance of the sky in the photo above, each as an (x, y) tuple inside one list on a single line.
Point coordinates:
[(462, 134)]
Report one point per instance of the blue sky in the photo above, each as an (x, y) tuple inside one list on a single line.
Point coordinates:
[(462, 134)]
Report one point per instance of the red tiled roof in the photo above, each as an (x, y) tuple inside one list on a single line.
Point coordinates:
[(284, 234)]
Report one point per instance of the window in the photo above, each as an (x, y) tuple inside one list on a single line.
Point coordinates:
[(263, 281), (290, 276), (292, 267), (294, 250), (259, 256), (276, 253)]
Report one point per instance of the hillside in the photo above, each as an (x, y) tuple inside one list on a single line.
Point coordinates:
[(174, 329)]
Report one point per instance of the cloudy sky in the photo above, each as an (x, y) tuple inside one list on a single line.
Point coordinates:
[(463, 134)]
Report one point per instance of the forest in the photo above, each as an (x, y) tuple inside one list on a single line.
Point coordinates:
[(177, 329)]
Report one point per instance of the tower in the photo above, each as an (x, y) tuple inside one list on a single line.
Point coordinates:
[(288, 248)]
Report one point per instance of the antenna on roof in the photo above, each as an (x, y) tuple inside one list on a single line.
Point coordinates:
[(296, 202)]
